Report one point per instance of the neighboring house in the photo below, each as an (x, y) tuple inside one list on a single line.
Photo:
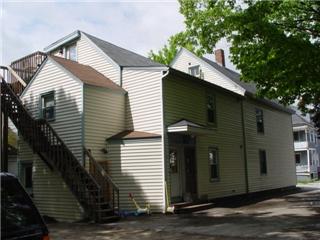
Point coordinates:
[(306, 147), (152, 125)]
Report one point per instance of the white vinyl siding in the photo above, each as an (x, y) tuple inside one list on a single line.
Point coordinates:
[(143, 106), (187, 100), (104, 116), (90, 55), (277, 141), (51, 195), (136, 167), (213, 76)]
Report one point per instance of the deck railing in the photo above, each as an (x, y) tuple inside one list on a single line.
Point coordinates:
[(27, 66)]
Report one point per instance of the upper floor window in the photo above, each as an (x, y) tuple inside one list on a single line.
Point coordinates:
[(71, 52), (48, 106), (260, 121), (299, 136), (211, 109), (194, 71), (263, 162), (213, 164)]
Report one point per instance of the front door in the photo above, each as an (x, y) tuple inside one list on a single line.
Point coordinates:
[(190, 174)]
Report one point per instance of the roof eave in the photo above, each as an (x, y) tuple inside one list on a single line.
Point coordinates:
[(62, 41), (269, 103)]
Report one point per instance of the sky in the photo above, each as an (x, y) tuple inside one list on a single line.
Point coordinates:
[(140, 26)]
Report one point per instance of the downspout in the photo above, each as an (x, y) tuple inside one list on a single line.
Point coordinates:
[(120, 76), (244, 147), (165, 73)]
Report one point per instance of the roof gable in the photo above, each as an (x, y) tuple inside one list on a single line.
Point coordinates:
[(121, 56), (234, 86)]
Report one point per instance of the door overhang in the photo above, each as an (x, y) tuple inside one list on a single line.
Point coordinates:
[(188, 127)]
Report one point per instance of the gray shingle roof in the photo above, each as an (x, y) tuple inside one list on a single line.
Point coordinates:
[(299, 120), (185, 122), (234, 76), (121, 56)]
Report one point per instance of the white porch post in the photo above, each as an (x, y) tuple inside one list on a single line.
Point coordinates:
[(308, 160)]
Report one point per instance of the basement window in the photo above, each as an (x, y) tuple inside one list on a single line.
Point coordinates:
[(263, 162), (26, 175), (213, 164), (48, 106)]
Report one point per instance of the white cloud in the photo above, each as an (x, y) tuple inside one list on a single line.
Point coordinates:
[(135, 25)]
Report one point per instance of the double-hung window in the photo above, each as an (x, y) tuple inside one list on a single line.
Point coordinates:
[(263, 162), (213, 164), (48, 106), (211, 109), (259, 120), (71, 52)]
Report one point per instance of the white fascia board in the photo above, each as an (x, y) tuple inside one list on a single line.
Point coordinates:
[(300, 128), (62, 41), (242, 91), (164, 68), (189, 130)]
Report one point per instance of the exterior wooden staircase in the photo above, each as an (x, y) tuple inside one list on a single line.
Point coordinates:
[(94, 188)]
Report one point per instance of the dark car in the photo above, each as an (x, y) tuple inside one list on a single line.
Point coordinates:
[(20, 218)]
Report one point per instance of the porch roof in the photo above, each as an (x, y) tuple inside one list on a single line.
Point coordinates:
[(187, 127)]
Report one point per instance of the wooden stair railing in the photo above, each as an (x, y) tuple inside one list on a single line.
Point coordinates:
[(109, 189), (16, 83), (27, 66), (43, 139)]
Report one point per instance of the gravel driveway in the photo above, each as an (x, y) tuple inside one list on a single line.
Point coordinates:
[(295, 215)]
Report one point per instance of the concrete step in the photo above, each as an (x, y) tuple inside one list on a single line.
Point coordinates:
[(193, 207)]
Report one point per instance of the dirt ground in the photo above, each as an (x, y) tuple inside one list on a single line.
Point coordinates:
[(293, 215)]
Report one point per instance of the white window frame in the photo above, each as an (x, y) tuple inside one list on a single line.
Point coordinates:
[(214, 150)]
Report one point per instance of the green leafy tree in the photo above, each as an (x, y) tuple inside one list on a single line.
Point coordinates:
[(175, 42), (275, 44)]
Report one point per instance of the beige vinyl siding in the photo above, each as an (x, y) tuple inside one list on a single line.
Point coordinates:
[(51, 196), (136, 167), (50, 193), (185, 60), (89, 55), (68, 100), (143, 106), (104, 116), (277, 140), (187, 100)]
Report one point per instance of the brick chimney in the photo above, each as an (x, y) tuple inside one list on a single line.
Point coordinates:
[(219, 54)]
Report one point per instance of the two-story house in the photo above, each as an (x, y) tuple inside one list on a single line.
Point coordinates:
[(193, 127), (306, 145)]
